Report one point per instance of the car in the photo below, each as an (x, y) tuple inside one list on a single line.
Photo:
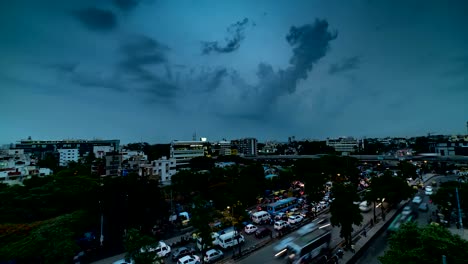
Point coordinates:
[(406, 210), (162, 250), (263, 232), (250, 229), (213, 255), (281, 216), (181, 252), (364, 206), (279, 225), (190, 259), (428, 192), (294, 219), (423, 207), (417, 199)]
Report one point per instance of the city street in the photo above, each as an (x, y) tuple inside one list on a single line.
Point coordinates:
[(380, 244), (266, 254)]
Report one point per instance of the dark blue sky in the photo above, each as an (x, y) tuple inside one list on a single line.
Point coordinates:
[(158, 70)]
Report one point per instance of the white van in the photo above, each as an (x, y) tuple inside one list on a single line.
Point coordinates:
[(230, 239), (162, 249), (258, 217)]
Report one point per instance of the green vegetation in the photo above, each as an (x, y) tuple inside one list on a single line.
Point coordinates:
[(344, 213), (413, 244)]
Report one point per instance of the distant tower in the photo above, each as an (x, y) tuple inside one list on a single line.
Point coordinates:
[(194, 137), (467, 127)]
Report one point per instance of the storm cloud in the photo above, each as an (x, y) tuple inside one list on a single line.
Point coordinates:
[(96, 19), (126, 5), (236, 34), (347, 64)]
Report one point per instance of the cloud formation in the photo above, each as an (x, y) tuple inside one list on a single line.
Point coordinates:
[(346, 64), (310, 43), (96, 19), (236, 33), (126, 5)]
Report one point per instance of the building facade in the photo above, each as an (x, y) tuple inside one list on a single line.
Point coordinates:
[(344, 145), (184, 151), (40, 148), (450, 148), (113, 164), (164, 168), (67, 155), (246, 146)]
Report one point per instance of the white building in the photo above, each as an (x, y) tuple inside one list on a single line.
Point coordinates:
[(67, 155), (100, 151), (344, 145), (136, 154), (184, 151), (165, 169)]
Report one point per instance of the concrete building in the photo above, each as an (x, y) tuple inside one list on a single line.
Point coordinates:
[(184, 151), (40, 148), (246, 146), (222, 148), (344, 145), (113, 164), (164, 168), (67, 155), (100, 151), (450, 148)]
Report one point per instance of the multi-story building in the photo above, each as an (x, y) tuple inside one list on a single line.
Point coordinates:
[(184, 151), (67, 155), (113, 164), (450, 148), (40, 148), (222, 148), (344, 145), (164, 168), (100, 151), (246, 146), (15, 166)]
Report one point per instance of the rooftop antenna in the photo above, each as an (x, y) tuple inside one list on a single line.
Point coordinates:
[(194, 137)]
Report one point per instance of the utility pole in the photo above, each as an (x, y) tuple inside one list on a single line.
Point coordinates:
[(459, 209)]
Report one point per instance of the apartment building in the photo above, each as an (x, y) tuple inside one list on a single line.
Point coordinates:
[(67, 155), (246, 146), (184, 151), (344, 145)]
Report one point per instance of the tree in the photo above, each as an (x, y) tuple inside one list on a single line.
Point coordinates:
[(413, 244), (393, 189), (344, 213), (137, 247), (202, 215), (407, 170)]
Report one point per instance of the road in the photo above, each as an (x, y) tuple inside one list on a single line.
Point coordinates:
[(380, 244), (266, 254)]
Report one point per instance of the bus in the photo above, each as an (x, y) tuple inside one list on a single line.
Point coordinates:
[(282, 205), (306, 244), (398, 221)]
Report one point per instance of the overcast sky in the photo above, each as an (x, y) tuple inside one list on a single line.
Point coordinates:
[(157, 70)]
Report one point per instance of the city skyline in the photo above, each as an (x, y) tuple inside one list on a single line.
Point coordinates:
[(155, 70)]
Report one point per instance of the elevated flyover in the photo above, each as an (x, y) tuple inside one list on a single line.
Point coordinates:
[(458, 159)]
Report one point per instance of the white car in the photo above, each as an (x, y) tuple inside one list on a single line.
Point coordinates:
[(428, 190), (280, 225), (250, 229), (417, 199), (365, 206), (293, 219), (190, 259), (406, 210), (162, 250), (213, 255)]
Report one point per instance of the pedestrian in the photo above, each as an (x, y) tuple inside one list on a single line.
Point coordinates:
[(364, 233), (352, 248), (372, 222), (340, 253)]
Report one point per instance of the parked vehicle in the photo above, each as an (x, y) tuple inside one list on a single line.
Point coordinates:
[(123, 261), (294, 219), (406, 210), (213, 255), (249, 229), (191, 259), (230, 239), (181, 252), (262, 232), (259, 217), (423, 207), (279, 225), (161, 249)]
